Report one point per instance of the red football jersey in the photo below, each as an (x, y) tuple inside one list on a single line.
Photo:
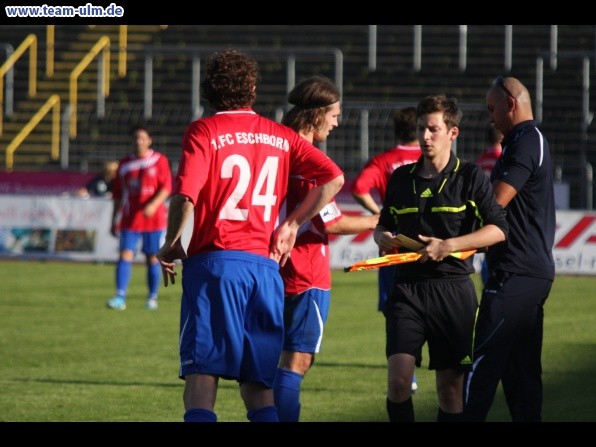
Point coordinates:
[(377, 171), (309, 265), (235, 167), (489, 157), (137, 181)]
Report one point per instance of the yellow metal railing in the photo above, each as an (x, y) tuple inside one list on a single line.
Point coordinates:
[(50, 50), (53, 103), (122, 53), (29, 42), (102, 45)]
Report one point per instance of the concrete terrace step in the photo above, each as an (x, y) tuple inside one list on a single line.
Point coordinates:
[(393, 80), (70, 50)]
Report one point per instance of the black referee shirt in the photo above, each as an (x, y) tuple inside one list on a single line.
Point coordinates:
[(457, 202)]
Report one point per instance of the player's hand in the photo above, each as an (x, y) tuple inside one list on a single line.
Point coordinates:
[(114, 231), (388, 243), (167, 256), (149, 209), (435, 250), (282, 242)]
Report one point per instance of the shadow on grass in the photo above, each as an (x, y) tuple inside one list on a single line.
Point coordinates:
[(349, 365), (228, 384)]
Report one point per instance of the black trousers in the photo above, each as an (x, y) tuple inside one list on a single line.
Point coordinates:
[(508, 347)]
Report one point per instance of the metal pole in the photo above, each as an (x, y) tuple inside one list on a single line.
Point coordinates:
[(372, 47), (197, 110), (101, 99), (364, 149), (590, 186), (586, 185), (64, 137), (8, 105), (339, 71), (463, 47), (508, 47), (417, 47), (539, 89), (554, 40), (291, 74), (279, 113), (148, 93)]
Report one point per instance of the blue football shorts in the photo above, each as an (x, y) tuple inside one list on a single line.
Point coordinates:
[(152, 241), (231, 316), (305, 316)]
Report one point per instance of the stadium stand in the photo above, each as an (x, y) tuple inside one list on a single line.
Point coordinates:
[(399, 76)]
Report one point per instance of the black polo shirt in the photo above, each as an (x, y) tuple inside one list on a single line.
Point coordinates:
[(525, 164), (457, 202)]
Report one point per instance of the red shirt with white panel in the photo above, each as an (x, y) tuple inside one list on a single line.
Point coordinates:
[(377, 171), (487, 159), (136, 183), (235, 168), (309, 265)]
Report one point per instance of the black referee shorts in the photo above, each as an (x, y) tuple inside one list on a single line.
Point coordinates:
[(441, 312)]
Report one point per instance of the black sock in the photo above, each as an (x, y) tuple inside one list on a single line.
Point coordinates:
[(402, 411), (449, 417)]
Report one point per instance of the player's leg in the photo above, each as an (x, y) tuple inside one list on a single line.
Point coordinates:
[(451, 307), (258, 400), (450, 394), (385, 282), (262, 332), (128, 246), (200, 392), (152, 241), (305, 315), (287, 384), (216, 289), (400, 368), (522, 379), (495, 329), (405, 329)]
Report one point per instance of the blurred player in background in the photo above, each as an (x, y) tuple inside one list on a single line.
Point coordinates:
[(487, 160), (101, 185), (233, 175), (307, 274), (142, 184), (375, 175)]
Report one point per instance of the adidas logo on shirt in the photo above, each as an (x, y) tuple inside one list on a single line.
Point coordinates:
[(426, 193)]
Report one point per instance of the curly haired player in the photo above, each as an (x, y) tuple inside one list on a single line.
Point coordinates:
[(233, 175)]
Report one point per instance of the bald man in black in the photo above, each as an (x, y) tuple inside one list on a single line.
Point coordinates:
[(509, 327)]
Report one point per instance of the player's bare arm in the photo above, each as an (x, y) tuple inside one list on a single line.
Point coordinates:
[(367, 202), (504, 192), (438, 249), (284, 236), (114, 226), (181, 208), (353, 224), (153, 205)]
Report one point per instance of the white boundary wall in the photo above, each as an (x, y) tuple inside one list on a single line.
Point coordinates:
[(54, 227)]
